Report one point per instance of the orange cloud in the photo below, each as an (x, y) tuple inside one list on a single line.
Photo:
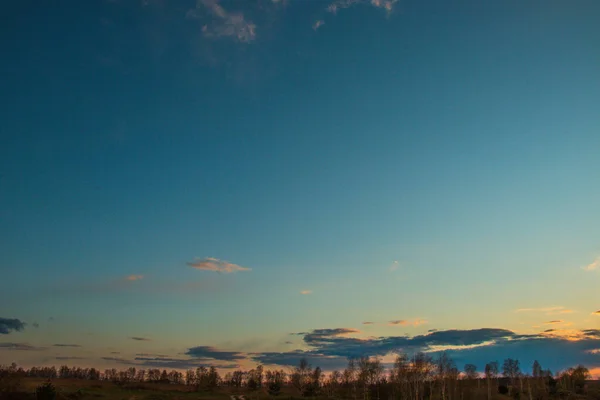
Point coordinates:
[(593, 266), (596, 313), (134, 277), (556, 321), (305, 292), (216, 265), (546, 310)]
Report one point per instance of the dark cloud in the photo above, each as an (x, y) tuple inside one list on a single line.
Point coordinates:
[(65, 345), (330, 350), (115, 352), (293, 358), (20, 346), (142, 339), (35, 325), (117, 360), (69, 358), (329, 342), (318, 335), (592, 333), (10, 324), (368, 323), (208, 352), (169, 363), (150, 355)]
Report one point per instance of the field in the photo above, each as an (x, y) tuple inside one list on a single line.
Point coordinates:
[(77, 389)]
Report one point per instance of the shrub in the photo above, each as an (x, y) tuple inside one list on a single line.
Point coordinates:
[(47, 391)]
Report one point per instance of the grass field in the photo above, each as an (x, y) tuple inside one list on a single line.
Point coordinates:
[(77, 389)]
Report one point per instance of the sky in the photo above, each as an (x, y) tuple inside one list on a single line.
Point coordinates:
[(231, 182)]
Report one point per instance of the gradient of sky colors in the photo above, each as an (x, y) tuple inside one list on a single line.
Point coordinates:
[(232, 182)]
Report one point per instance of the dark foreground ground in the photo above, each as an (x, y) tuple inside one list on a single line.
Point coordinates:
[(76, 389)]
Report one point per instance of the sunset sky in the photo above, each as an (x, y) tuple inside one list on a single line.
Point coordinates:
[(231, 182)]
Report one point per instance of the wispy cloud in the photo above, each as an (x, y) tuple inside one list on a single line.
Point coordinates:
[(317, 24), (214, 264), (337, 5), (406, 322), (65, 345), (140, 339), (20, 346), (69, 358), (305, 292), (8, 325), (555, 321), (222, 22), (368, 323), (209, 352), (134, 277), (594, 265), (546, 310), (395, 265)]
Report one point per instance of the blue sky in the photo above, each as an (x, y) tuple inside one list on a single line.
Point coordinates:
[(430, 163)]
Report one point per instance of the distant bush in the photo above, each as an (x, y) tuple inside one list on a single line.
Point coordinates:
[(274, 388), (503, 389), (9, 383), (47, 391)]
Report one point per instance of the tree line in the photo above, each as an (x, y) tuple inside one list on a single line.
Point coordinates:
[(420, 377)]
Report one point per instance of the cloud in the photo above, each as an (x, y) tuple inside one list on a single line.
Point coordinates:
[(305, 292), (293, 358), (557, 349), (554, 321), (208, 352), (150, 355), (140, 339), (165, 362), (222, 23), (594, 265), (11, 324), (214, 264), (596, 313), (337, 5), (65, 345), (404, 322), (20, 346), (318, 23), (69, 358), (368, 323), (395, 265), (134, 277), (547, 310)]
